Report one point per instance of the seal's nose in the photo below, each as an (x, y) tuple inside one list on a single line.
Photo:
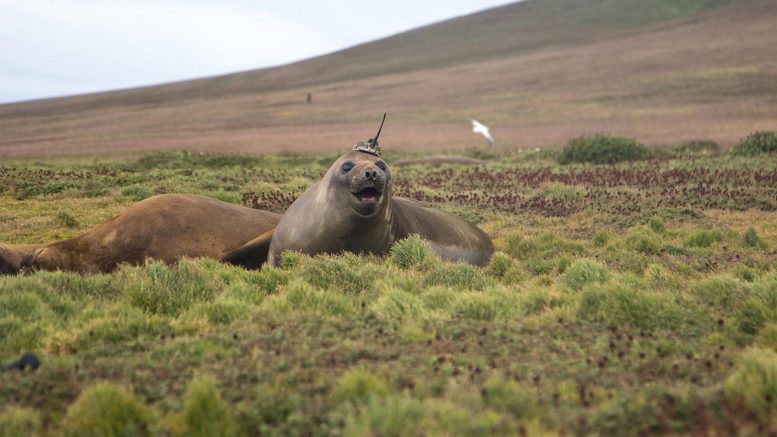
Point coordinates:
[(371, 174)]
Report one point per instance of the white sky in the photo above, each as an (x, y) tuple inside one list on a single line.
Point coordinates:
[(60, 47)]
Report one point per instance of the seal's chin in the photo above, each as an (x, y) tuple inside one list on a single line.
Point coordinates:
[(368, 195)]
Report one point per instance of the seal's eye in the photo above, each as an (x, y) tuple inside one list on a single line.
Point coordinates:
[(347, 166), (381, 165)]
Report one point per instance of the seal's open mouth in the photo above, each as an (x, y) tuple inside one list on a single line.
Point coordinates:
[(369, 194)]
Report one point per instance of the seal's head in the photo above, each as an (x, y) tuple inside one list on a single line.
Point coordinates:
[(362, 182), (362, 178)]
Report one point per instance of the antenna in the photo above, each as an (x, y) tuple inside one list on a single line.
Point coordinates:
[(380, 128)]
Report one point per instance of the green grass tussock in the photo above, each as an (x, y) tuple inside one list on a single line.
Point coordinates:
[(602, 149), (136, 193), (66, 220), (205, 413), (755, 381), (620, 305), (704, 238), (460, 275), (170, 290), (757, 143), (584, 272), (106, 410), (413, 252), (359, 385), (18, 421), (752, 239)]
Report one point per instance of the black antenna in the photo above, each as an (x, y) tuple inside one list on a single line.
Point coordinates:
[(380, 128)]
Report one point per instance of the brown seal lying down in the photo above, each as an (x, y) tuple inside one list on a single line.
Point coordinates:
[(165, 227)]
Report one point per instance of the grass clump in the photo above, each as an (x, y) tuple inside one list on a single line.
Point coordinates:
[(703, 238), (386, 416), (752, 239), (413, 252), (167, 290), (272, 412), (358, 385), (204, 411), (602, 149), (136, 193), (584, 272), (396, 304), (510, 397), (767, 337), (755, 381), (757, 143), (760, 308), (622, 305), (105, 410), (65, 220), (459, 275), (644, 241), (348, 273), (720, 291), (302, 296), (657, 225), (18, 421)]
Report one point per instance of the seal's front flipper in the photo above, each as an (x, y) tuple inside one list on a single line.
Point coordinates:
[(252, 254)]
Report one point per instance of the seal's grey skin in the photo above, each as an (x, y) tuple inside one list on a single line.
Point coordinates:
[(352, 210), (165, 227)]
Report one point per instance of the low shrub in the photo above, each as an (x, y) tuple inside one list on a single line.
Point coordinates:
[(602, 149), (756, 143)]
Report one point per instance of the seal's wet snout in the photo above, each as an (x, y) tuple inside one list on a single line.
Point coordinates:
[(368, 183)]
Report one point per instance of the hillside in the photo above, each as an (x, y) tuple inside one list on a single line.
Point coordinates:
[(538, 72)]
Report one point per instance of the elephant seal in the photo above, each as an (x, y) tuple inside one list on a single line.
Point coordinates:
[(352, 209), (164, 227)]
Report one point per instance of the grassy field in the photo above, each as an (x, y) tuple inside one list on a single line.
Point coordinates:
[(537, 72), (623, 299)]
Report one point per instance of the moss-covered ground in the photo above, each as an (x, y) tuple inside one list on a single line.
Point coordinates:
[(625, 299)]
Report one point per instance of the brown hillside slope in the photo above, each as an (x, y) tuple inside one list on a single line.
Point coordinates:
[(538, 72)]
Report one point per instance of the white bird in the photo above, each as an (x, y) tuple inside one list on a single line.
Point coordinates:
[(482, 129)]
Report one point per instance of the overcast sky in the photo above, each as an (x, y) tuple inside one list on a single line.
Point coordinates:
[(60, 47)]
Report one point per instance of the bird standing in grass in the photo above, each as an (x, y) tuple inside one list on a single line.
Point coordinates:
[(482, 129)]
